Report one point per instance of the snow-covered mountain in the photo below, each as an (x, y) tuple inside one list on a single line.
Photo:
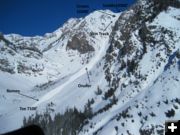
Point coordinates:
[(126, 64)]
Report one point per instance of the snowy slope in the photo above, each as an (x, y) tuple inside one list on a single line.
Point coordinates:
[(135, 62), (61, 66), (143, 105)]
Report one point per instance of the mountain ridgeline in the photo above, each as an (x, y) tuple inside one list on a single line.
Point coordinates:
[(130, 62)]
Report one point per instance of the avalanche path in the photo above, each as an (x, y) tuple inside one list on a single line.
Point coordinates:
[(90, 65)]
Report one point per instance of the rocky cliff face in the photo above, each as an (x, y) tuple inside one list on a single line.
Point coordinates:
[(80, 45), (143, 51), (131, 69)]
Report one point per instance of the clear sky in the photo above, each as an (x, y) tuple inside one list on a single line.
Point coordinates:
[(37, 17)]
